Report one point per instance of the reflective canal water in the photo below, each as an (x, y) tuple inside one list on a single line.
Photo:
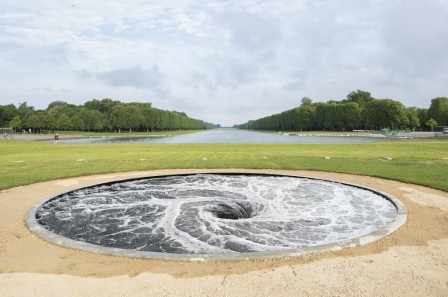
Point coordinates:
[(229, 136)]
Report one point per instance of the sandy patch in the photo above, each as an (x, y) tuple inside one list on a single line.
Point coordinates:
[(413, 261), (426, 198)]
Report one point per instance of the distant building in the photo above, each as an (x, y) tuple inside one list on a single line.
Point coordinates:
[(6, 131)]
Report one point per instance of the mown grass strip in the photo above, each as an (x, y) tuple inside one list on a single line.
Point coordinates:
[(25, 162)]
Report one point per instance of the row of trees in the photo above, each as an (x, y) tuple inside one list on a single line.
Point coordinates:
[(358, 111), (97, 115)]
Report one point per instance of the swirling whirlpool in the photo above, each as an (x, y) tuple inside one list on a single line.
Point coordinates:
[(216, 213)]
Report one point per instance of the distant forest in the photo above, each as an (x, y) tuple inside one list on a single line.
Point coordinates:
[(104, 115), (359, 111)]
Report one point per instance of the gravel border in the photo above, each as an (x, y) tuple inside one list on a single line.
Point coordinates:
[(398, 221)]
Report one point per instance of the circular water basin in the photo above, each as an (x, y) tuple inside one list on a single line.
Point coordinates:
[(217, 216)]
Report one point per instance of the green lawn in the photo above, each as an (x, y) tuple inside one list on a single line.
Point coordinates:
[(414, 161)]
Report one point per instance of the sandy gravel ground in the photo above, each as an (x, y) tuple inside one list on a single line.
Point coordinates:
[(413, 261)]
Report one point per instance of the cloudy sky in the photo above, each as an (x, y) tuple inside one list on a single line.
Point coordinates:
[(222, 61)]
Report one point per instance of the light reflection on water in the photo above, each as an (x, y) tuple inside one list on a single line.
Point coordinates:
[(227, 136)]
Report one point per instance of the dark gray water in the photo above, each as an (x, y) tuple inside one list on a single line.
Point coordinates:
[(216, 213), (228, 136)]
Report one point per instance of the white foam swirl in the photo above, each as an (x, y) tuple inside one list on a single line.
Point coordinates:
[(211, 213)]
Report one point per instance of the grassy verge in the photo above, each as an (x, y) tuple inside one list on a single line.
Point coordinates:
[(357, 133), (25, 162)]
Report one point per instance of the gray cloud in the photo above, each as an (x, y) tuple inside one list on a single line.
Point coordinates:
[(252, 31), (82, 73), (243, 72), (416, 36), (132, 77), (226, 74), (225, 61)]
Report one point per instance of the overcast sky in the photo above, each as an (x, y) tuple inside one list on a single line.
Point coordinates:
[(221, 61)]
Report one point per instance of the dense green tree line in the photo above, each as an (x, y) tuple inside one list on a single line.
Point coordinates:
[(97, 115), (358, 111)]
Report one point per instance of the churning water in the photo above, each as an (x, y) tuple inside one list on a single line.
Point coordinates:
[(216, 213)]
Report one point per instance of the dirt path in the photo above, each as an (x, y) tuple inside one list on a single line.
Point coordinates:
[(413, 261)]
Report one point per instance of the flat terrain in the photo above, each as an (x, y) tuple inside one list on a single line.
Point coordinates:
[(413, 261), (423, 162)]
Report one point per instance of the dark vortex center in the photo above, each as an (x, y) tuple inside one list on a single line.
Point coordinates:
[(234, 211)]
